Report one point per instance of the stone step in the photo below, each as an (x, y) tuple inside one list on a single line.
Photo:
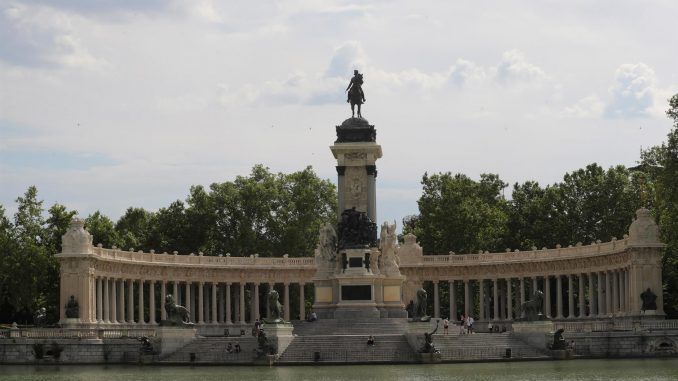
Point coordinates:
[(354, 349)]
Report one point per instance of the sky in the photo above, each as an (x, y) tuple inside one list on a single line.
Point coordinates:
[(107, 104)]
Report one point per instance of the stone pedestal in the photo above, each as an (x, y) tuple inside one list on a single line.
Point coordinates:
[(172, 338), (280, 335), (544, 326)]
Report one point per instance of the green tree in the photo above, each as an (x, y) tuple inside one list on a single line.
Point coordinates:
[(459, 214), (133, 229), (102, 230)]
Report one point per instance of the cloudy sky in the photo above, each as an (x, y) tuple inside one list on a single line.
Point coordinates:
[(115, 103)]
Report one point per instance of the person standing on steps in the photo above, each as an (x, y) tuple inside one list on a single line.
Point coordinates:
[(446, 325), (470, 324)]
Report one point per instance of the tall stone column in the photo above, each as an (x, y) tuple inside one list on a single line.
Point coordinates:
[(302, 302), (547, 296), (142, 314), (609, 310), (453, 301), (570, 297), (163, 295), (559, 297), (255, 302), (130, 301), (582, 297), (227, 317), (151, 302), (481, 300), (214, 303), (121, 301), (221, 289), (175, 290), (593, 300), (187, 295), (601, 296), (100, 310), (286, 302), (495, 299), (467, 298), (107, 302), (201, 304), (114, 301), (509, 300), (436, 300), (522, 296)]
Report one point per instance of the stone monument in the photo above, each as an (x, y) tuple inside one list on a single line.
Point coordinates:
[(357, 274)]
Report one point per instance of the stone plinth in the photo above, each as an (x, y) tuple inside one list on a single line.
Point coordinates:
[(544, 326), (280, 335), (172, 338)]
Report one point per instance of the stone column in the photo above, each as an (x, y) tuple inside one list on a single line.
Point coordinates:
[(175, 289), (622, 291), (570, 297), (142, 315), (255, 304), (114, 301), (302, 302), (615, 291), (163, 295), (509, 300), (100, 310), (107, 302), (495, 300), (214, 303), (201, 304), (220, 303), (151, 297), (436, 300), (593, 300), (481, 300), (242, 303), (130, 301), (227, 317), (609, 310), (601, 297), (522, 296), (187, 295), (286, 302), (453, 301), (582, 296), (121, 301), (559, 297), (467, 298), (547, 296)]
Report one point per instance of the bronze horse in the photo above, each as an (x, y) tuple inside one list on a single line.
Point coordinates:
[(356, 96)]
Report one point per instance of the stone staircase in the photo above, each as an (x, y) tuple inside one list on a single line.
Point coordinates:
[(212, 350), (364, 327), (484, 346), (329, 349)]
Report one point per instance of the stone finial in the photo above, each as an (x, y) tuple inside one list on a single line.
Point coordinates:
[(643, 229), (76, 240)]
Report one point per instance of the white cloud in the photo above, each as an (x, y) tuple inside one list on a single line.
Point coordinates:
[(632, 91), (588, 107), (514, 67)]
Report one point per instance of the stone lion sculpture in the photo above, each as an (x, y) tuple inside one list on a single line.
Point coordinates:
[(277, 310), (531, 309), (176, 314), (421, 305)]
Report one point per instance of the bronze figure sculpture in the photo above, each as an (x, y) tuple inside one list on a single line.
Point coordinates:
[(356, 96)]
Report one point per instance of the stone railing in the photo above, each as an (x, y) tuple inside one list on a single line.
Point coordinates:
[(76, 333), (617, 325), (523, 256), (227, 260)]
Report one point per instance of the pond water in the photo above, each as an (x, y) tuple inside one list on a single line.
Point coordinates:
[(603, 370)]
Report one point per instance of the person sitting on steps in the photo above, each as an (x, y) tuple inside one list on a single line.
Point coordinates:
[(370, 341)]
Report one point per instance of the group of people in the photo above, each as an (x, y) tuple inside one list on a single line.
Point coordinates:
[(466, 324), (230, 348)]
